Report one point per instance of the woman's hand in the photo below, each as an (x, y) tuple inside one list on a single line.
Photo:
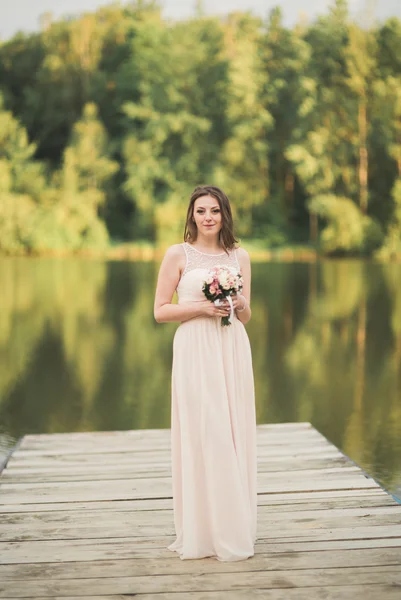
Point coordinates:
[(237, 300), (209, 309)]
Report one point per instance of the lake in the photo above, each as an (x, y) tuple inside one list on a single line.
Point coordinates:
[(80, 351)]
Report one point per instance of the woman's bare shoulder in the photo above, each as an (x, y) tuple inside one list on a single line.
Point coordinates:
[(242, 253), (175, 251), (175, 256)]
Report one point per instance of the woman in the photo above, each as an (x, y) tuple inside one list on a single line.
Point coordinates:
[(213, 407)]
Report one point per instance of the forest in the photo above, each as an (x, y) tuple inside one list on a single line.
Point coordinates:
[(109, 120)]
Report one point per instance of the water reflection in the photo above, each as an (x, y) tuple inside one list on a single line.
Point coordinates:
[(80, 350)]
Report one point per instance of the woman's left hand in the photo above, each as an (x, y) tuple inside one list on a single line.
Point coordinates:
[(237, 300)]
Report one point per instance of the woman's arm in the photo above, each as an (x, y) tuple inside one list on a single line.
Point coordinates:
[(169, 276), (245, 264)]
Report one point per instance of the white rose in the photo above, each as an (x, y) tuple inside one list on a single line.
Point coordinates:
[(223, 279)]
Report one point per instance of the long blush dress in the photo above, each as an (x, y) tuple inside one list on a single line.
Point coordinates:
[(213, 427)]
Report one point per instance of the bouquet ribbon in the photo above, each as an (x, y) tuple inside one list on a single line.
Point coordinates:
[(230, 318), (218, 303)]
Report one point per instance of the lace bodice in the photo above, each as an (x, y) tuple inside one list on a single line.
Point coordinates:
[(197, 264), (200, 260)]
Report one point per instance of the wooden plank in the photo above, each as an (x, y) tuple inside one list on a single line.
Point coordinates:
[(91, 445), (352, 592), (148, 438), (385, 526), (99, 473), (164, 463), (264, 463), (206, 582), (286, 446), (88, 461), (90, 515), (278, 502), (168, 566), (51, 526), (123, 548), (342, 472), (122, 528), (160, 516), (132, 490), (273, 452), (157, 459), (279, 428), (147, 531)]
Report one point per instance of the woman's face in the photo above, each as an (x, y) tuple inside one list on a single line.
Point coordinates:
[(207, 215)]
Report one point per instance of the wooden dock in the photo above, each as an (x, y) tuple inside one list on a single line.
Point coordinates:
[(89, 515)]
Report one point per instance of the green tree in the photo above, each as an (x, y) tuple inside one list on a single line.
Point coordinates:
[(80, 187), (242, 165), (171, 144), (22, 182), (389, 92), (360, 62), (299, 125), (332, 136), (286, 94)]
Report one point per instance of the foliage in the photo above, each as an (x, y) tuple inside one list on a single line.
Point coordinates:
[(110, 119), (38, 214), (347, 229), (82, 331)]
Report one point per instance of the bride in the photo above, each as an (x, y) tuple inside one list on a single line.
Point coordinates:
[(213, 425)]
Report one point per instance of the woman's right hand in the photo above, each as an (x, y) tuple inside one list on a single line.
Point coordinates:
[(209, 309)]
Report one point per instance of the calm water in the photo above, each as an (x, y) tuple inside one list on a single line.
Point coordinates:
[(80, 351)]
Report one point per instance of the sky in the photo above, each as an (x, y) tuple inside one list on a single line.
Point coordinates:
[(23, 15)]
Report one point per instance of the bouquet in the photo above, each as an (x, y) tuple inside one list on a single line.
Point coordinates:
[(220, 283)]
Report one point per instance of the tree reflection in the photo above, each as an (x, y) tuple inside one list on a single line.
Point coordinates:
[(80, 350)]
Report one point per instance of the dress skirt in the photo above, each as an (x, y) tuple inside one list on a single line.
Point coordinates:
[(213, 435)]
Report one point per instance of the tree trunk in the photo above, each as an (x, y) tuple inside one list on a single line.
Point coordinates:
[(288, 319), (289, 190), (313, 282), (360, 356), (313, 227), (363, 157)]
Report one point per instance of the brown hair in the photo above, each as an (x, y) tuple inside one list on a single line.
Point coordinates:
[(226, 234)]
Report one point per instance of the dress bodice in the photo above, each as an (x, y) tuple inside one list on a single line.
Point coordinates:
[(189, 288)]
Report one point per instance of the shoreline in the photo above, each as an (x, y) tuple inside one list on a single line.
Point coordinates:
[(150, 253)]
